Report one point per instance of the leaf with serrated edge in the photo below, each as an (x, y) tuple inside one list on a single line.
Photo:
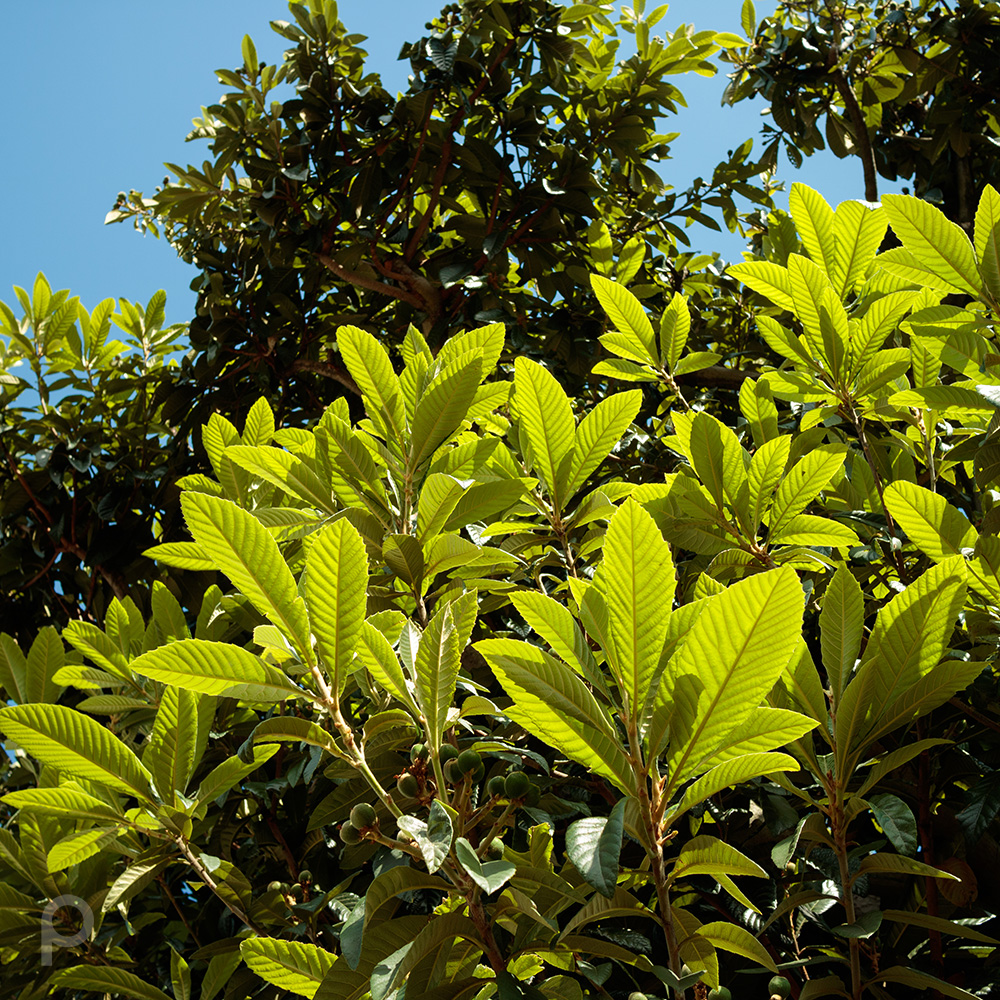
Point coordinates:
[(858, 229), (598, 433), (937, 242), (217, 668), (77, 746), (545, 417), (170, 752), (639, 583), (933, 525), (295, 966), (248, 554), (814, 221), (551, 702), (336, 579), (106, 979), (730, 773), (734, 938), (841, 623), (627, 314), (733, 654), (594, 846), (704, 855)]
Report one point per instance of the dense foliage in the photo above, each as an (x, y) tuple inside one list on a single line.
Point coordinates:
[(427, 651)]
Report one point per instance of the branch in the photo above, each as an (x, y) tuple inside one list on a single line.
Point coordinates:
[(327, 371), (361, 281), (865, 150)]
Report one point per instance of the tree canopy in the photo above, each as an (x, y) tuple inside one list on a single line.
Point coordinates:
[(487, 594)]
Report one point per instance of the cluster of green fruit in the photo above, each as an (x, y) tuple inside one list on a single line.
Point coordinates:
[(458, 767), (297, 890), (778, 989)]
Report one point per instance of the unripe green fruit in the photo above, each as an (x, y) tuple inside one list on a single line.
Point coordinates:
[(305, 876), (419, 751), (637, 996), (296, 889), (779, 986), (363, 816), (468, 761), (274, 887), (517, 785), (533, 797), (479, 773), (720, 994), (451, 772), (495, 851), (407, 785), (496, 786), (350, 834), (448, 752)]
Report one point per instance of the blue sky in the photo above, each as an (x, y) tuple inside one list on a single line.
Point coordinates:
[(101, 94)]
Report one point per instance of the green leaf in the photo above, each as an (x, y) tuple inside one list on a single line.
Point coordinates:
[(814, 221), (841, 623), (770, 280), (438, 497), (956, 400), (367, 361), (545, 419), (77, 847), (45, 658), (170, 752), (135, 878), (217, 668), (77, 746), (221, 778), (551, 702), (259, 426), (247, 553), (732, 937), (97, 647), (933, 525), (899, 864), (803, 483), (67, 801), (987, 240), (220, 970), (335, 590), (908, 640), (730, 773), (182, 555), (442, 407), (13, 669), (594, 845), (864, 927), (675, 325), (897, 821), (289, 729), (705, 855), (180, 976), (718, 459), (921, 981), (377, 655), (599, 431), (433, 838), (439, 657), (858, 230), (805, 529), (489, 876), (766, 469), (106, 979), (627, 314), (639, 584), (937, 243), (283, 470), (294, 966), (733, 654), (763, 729), (916, 919), (553, 622)]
